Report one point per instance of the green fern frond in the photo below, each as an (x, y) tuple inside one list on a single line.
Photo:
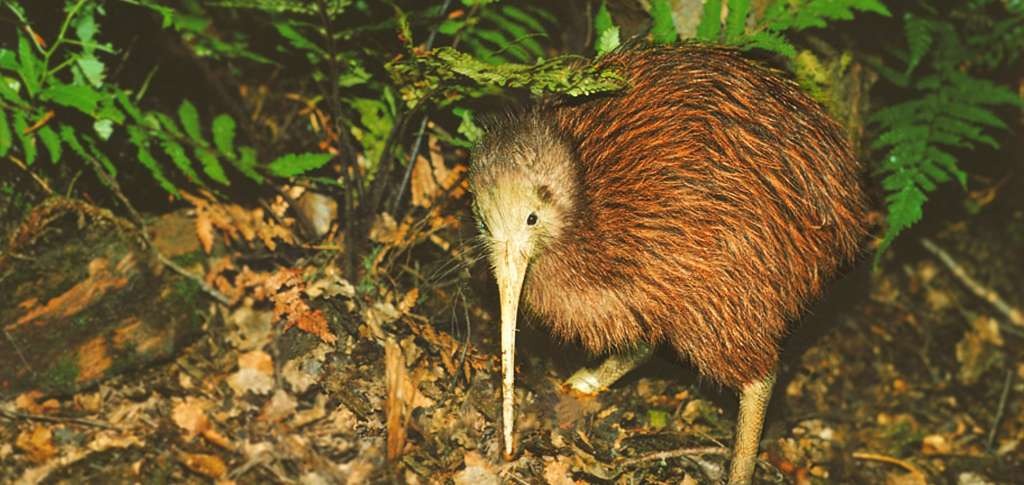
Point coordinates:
[(663, 29), (779, 17), (607, 31), (334, 7), (447, 66), (918, 138)]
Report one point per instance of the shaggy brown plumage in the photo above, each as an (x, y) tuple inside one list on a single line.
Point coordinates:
[(703, 207)]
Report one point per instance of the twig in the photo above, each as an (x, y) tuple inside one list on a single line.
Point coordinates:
[(1000, 411), (24, 361), (413, 154), (350, 166), (906, 465), (140, 227), (664, 455), (1015, 315), (57, 419), (209, 290), (115, 188), (414, 150), (42, 183)]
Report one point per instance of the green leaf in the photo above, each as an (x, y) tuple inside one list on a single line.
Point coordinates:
[(5, 134), (608, 41), (190, 121), (30, 65), (246, 163), (67, 133), (9, 60), (736, 20), (52, 142), (92, 69), (78, 96), (297, 40), (141, 142), (554, 75), (607, 33), (519, 35), (663, 29), (9, 90), (97, 154), (376, 123), (521, 16), (167, 124), (180, 159), (450, 27), (904, 210), (298, 163), (103, 128), (467, 126), (771, 42), (919, 39), (603, 18), (130, 107), (212, 167), (404, 29), (224, 135), (710, 21), (503, 44), (28, 140)]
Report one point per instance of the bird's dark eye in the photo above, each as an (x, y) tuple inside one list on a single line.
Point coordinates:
[(531, 219)]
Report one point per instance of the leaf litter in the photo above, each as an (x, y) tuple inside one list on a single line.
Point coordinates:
[(307, 377)]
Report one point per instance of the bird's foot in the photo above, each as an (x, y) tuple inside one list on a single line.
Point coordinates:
[(592, 381), (586, 381)]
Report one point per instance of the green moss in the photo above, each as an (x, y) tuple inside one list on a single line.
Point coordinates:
[(62, 376), (188, 260), (186, 294)]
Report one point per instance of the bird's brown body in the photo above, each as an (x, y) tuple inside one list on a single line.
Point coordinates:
[(714, 200), (702, 207)]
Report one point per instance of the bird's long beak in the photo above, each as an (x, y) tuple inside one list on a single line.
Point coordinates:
[(509, 270)]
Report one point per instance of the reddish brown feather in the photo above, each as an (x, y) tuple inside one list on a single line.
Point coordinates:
[(713, 200)]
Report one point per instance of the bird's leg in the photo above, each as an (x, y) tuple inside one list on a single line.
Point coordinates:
[(593, 381), (753, 403)]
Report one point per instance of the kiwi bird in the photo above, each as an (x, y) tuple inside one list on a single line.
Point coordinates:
[(702, 207)]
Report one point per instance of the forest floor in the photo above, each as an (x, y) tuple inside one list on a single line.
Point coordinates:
[(903, 375)]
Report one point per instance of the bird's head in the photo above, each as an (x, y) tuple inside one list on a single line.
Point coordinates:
[(525, 182)]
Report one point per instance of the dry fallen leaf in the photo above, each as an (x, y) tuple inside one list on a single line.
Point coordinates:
[(37, 443), (558, 471), (255, 374), (29, 403), (936, 444), (279, 406), (204, 464), (378, 315), (236, 223), (285, 289), (978, 351), (399, 401), (478, 471), (431, 177), (190, 415), (409, 300), (384, 229), (250, 328), (90, 403), (315, 413)]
